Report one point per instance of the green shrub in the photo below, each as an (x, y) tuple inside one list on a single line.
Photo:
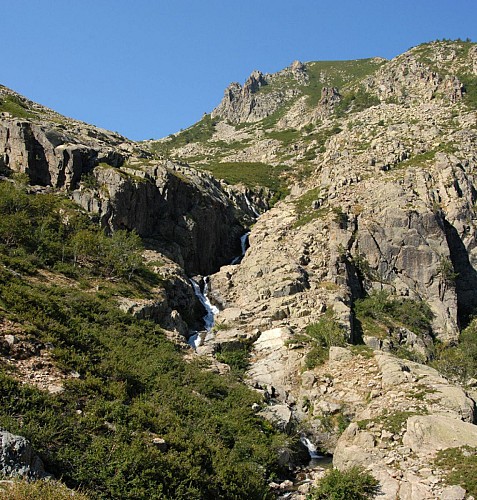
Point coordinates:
[(304, 210), (414, 315), (202, 131), (460, 465), (48, 231), (251, 174), (352, 484), (445, 271), (321, 336), (459, 362), (354, 102), (15, 106), (134, 384), (237, 358)]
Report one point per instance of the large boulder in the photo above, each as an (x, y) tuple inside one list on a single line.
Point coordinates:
[(18, 459), (430, 433)]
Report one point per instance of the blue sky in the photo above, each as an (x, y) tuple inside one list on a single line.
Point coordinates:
[(147, 68)]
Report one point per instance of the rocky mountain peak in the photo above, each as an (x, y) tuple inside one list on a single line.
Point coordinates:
[(254, 82)]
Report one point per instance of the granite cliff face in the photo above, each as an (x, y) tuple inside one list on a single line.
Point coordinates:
[(183, 213), (381, 160)]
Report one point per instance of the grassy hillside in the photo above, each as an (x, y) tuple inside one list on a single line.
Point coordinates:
[(58, 283)]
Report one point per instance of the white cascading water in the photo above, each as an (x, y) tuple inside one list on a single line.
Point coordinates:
[(196, 340), (243, 246), (249, 205), (310, 447)]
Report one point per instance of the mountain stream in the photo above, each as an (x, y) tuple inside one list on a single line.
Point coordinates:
[(197, 338)]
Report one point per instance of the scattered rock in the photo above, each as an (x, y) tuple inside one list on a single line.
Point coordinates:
[(18, 458)]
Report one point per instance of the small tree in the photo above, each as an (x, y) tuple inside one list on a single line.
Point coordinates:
[(123, 254), (445, 271)]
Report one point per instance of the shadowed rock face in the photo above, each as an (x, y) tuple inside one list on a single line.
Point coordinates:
[(185, 214), (180, 212)]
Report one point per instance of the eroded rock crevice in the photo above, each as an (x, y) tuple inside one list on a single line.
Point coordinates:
[(462, 275)]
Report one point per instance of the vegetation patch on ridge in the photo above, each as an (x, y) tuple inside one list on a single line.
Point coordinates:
[(15, 106), (249, 173)]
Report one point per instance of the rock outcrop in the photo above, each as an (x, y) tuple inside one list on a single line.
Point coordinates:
[(181, 212), (246, 104), (18, 459), (186, 214)]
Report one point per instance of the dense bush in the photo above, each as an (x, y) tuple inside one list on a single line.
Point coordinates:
[(45, 231), (352, 484), (355, 102), (133, 385)]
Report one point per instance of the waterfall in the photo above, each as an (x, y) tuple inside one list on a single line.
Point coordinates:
[(243, 246), (310, 447), (196, 340), (251, 207)]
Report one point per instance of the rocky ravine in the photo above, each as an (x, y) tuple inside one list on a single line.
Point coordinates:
[(390, 206)]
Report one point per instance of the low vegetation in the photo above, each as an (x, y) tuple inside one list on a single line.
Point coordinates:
[(38, 490), (394, 422), (355, 101), (320, 337), (202, 131), (15, 106), (251, 174), (460, 465), (335, 74), (48, 231), (236, 356), (379, 311), (354, 483), (307, 207), (130, 384), (459, 362)]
